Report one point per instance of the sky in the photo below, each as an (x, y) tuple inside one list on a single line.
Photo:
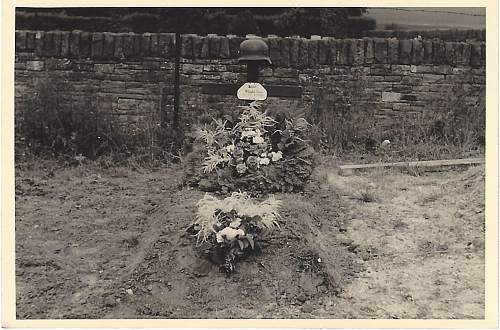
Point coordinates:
[(430, 17)]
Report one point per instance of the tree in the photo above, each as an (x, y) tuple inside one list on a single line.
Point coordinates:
[(303, 21), (244, 23), (321, 21)]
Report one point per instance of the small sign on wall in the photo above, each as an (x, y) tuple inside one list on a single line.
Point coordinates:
[(252, 91)]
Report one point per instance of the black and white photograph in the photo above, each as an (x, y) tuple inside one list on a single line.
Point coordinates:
[(250, 162)]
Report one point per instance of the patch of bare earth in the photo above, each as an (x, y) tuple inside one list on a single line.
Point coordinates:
[(426, 237), (112, 243)]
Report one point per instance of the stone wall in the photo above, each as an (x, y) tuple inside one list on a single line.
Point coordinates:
[(132, 75)]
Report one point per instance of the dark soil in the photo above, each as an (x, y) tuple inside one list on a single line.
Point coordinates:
[(112, 243)]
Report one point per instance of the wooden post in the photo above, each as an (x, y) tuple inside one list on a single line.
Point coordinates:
[(252, 72), (175, 122)]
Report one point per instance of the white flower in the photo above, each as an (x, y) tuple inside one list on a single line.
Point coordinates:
[(264, 154), (219, 238), (229, 234), (276, 156), (230, 148), (247, 133), (235, 223), (258, 139), (257, 132), (241, 168), (385, 143), (264, 161)]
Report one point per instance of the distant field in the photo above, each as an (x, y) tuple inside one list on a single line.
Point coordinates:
[(429, 17)]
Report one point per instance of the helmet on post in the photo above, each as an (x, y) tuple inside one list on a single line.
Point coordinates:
[(254, 50)]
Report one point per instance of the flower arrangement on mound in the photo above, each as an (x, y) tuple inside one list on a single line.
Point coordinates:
[(255, 153), (233, 226)]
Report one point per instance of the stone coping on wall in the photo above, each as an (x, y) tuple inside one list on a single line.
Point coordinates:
[(284, 52)]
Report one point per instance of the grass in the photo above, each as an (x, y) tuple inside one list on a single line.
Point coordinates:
[(52, 125), (349, 124), (367, 196)]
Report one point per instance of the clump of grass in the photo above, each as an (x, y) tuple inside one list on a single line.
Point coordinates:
[(432, 197), (413, 170), (367, 196)]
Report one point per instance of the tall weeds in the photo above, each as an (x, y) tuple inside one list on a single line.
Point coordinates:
[(349, 123), (54, 123)]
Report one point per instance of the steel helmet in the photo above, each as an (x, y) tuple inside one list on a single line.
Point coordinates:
[(253, 50)]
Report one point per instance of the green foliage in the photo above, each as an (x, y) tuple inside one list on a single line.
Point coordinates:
[(141, 22), (355, 126), (210, 208), (48, 21), (256, 153), (214, 134), (52, 123), (342, 116), (244, 23), (233, 226), (253, 118), (357, 25), (451, 127), (305, 21), (463, 119), (49, 127)]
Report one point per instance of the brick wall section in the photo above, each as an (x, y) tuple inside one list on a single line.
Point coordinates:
[(131, 75)]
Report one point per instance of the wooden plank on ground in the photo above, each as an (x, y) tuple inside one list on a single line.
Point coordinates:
[(426, 164)]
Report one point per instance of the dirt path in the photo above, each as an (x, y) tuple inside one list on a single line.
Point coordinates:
[(426, 236), (111, 243)]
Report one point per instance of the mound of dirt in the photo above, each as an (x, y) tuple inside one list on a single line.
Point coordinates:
[(112, 243), (297, 268)]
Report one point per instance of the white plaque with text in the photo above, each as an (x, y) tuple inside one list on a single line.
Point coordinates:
[(252, 91)]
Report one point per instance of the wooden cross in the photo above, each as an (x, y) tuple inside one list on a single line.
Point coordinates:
[(254, 53)]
